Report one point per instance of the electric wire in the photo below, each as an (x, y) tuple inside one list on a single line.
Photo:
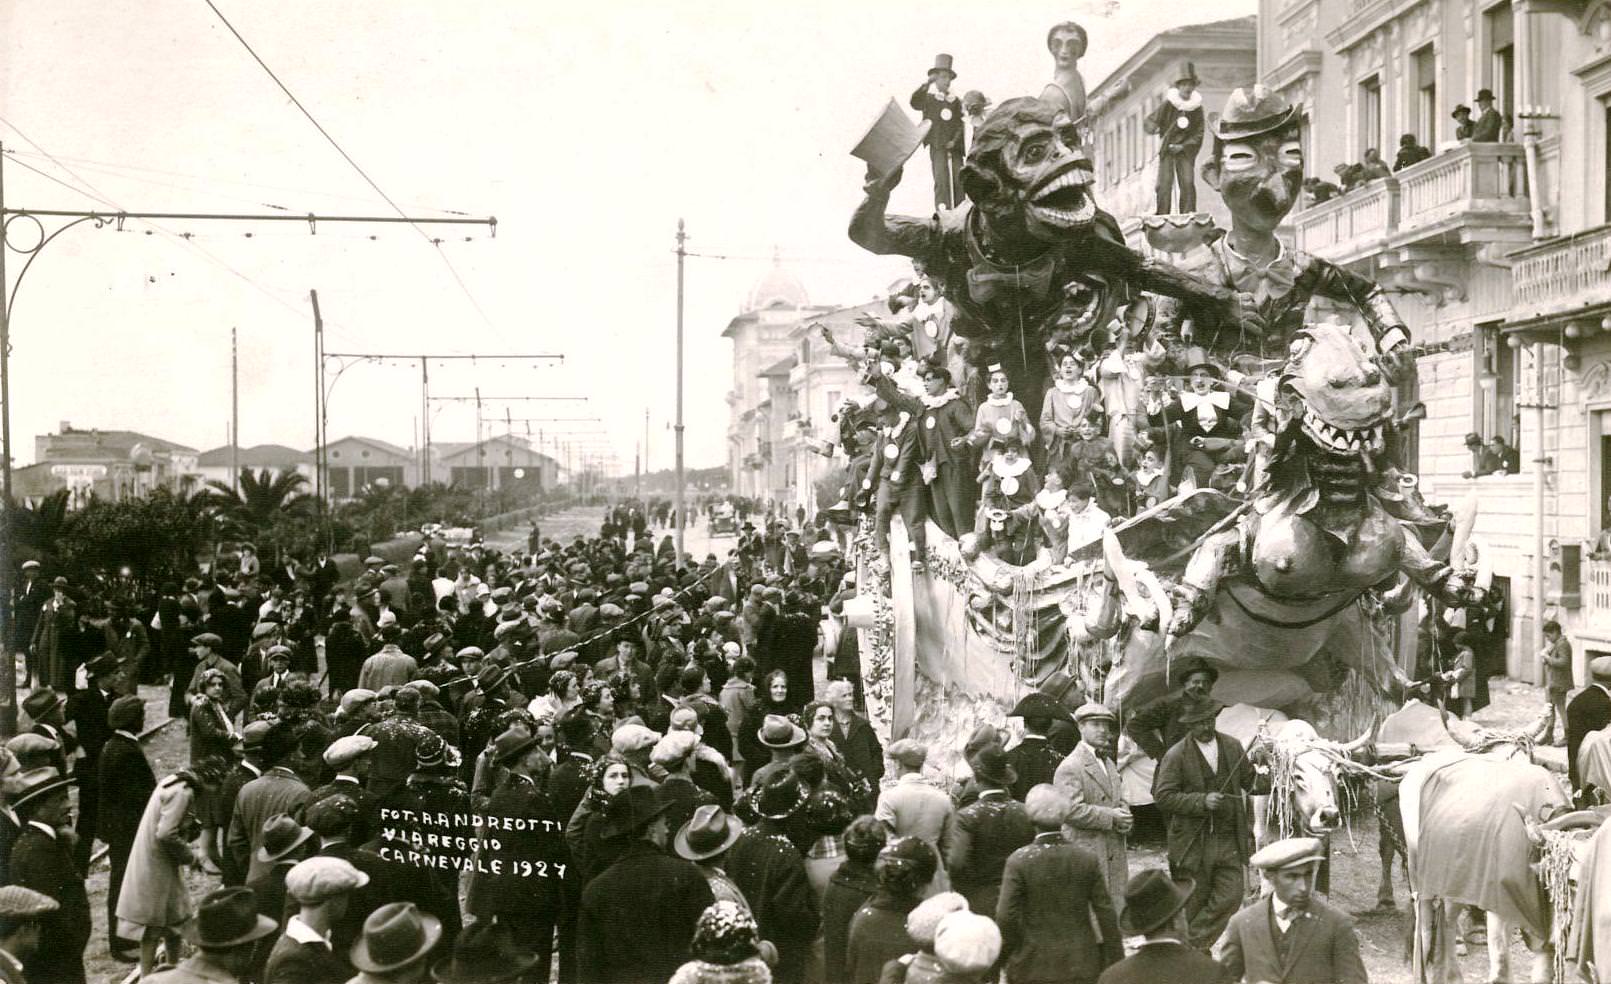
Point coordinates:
[(348, 158)]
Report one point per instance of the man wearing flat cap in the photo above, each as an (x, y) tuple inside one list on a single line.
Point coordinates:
[(1201, 786), (637, 917), (1289, 935), (206, 647), (22, 913), (350, 757), (1099, 820), (306, 953), (47, 710)]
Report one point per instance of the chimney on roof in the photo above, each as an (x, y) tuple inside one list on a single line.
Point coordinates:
[(67, 427)]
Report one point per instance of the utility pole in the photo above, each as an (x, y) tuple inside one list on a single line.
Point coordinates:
[(480, 452), (8, 668), (682, 512), (425, 421), (234, 413), (318, 406), (645, 442)]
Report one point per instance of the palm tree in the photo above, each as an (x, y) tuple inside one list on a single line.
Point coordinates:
[(261, 503), (40, 528)]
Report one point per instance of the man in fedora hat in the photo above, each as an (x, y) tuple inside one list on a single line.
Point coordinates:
[(1156, 726), (1099, 821), (1274, 285), (1202, 786), (1489, 122), (1289, 935), (638, 915), (22, 912), (783, 738), (1178, 122), (47, 710), (306, 952), (397, 938), (225, 931), (278, 790), (285, 844), (1154, 907), (484, 954), (42, 860), (942, 110), (87, 710), (770, 872), (28, 599), (704, 840), (987, 830), (125, 773), (1033, 759)]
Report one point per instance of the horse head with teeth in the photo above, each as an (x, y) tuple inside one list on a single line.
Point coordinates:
[(1029, 250)]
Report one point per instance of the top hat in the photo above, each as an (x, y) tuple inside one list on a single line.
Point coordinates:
[(227, 918), (1039, 705), (483, 954), (942, 63), (394, 936), (1151, 899), (1254, 113), (1186, 73), (708, 833), (1196, 358), (889, 143)]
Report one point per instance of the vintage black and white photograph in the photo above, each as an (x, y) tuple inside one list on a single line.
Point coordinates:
[(716, 492)]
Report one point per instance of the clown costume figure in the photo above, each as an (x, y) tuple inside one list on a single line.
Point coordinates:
[(896, 482), (1000, 417), (1205, 417), (930, 322), (1086, 519), (1121, 375), (1067, 405), (1008, 480), (1151, 480), (1086, 452), (1049, 510)]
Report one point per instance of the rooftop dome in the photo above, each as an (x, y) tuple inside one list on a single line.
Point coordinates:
[(777, 288)]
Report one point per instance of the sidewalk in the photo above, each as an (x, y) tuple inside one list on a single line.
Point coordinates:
[(1516, 706)]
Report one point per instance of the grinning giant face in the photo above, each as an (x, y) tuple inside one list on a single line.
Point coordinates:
[(1346, 399), (1259, 178), (1028, 174)]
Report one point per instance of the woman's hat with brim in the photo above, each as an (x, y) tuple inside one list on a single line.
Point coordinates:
[(1151, 899), (395, 935), (483, 954), (711, 831), (990, 764), (227, 918)]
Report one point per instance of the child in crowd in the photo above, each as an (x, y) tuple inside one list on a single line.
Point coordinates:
[(1151, 480), (1000, 417), (1008, 481), (1086, 519), (1069, 402)]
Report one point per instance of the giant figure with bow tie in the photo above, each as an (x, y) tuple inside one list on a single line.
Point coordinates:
[(1027, 243)]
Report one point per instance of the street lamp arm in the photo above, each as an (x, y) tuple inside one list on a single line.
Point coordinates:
[(33, 254)]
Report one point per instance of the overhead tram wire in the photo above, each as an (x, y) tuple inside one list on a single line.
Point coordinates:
[(361, 172)]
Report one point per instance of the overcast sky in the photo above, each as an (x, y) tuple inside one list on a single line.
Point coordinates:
[(586, 128)]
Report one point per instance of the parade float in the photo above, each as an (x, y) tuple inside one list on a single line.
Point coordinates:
[(1286, 556)]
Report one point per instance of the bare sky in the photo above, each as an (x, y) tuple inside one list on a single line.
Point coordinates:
[(586, 128)]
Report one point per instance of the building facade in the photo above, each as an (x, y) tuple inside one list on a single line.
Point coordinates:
[(1499, 254), (354, 463), (1126, 157), (499, 462), (106, 464), (215, 465)]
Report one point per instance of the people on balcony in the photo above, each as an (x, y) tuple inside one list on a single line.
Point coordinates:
[(1319, 190), (1489, 122), (1463, 125), (1410, 152), (1373, 166)]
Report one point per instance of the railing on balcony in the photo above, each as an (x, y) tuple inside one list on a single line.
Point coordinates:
[(1345, 227), (1597, 593), (1472, 177), (1562, 273)]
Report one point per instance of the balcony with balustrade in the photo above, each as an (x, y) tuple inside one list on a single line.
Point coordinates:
[(1567, 278), (1351, 227), (1472, 194)]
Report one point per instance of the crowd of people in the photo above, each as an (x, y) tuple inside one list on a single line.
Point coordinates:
[(582, 763), (1490, 126)]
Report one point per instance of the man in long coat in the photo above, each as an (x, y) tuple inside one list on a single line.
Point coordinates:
[(638, 916), (1099, 820), (42, 861), (87, 709), (1202, 786), (770, 872), (278, 790), (126, 774)]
